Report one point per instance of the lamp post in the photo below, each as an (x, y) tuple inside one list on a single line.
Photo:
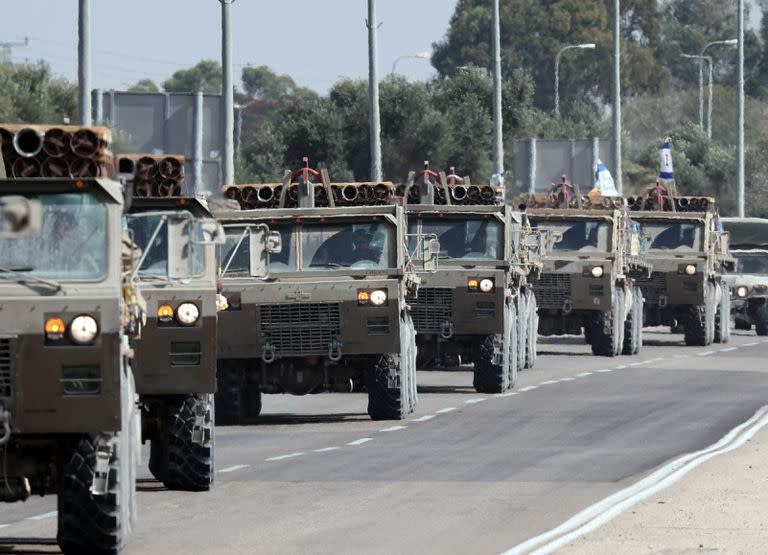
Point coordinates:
[(740, 116), (586, 45), (730, 42), (498, 141), (373, 94), (416, 56), (227, 95)]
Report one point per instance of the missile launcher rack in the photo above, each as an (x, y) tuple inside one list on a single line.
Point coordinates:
[(429, 187), (315, 184), (666, 199), (565, 195), (153, 175), (65, 151)]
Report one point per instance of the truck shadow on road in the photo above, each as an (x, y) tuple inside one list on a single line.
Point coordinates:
[(29, 546), (437, 389), (283, 419)]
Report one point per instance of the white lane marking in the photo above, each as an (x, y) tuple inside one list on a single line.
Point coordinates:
[(325, 449), (423, 418), (751, 344), (621, 367), (583, 374), (507, 394), (529, 388), (446, 409), (4, 526), (393, 429), (728, 349), (548, 382), (283, 457), (681, 356), (706, 353), (360, 441), (604, 370), (42, 516), (636, 363), (233, 468), (474, 401), (603, 511), (567, 379)]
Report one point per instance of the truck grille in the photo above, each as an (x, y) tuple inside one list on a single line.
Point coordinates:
[(653, 287), (300, 329), (432, 307), (552, 290), (5, 366)]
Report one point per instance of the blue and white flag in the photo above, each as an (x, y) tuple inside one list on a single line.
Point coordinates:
[(604, 181), (666, 173)]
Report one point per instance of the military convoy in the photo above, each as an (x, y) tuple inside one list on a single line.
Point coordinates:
[(478, 306), (748, 284), (587, 282), (688, 251)]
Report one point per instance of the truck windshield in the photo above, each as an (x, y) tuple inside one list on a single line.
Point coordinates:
[(466, 238), (285, 261), (156, 261), (673, 235), (752, 263), (72, 244), (579, 236), (363, 245)]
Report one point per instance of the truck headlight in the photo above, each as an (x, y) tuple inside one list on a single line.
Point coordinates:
[(597, 271), (742, 291), (83, 329), (690, 269), (187, 313), (486, 285), (378, 297)]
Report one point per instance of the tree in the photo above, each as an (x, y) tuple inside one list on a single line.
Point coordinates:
[(144, 85), (263, 83), (205, 77), (30, 93)]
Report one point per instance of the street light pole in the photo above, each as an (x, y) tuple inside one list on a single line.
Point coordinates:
[(498, 146), (373, 94), (731, 42), (588, 45), (228, 94), (740, 133), (617, 95), (84, 62)]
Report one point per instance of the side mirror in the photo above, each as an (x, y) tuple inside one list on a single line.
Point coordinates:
[(258, 248), (179, 247), (557, 236), (431, 255), (531, 240), (20, 216), (274, 242), (209, 232)]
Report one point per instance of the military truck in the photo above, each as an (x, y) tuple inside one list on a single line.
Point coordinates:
[(175, 366), (586, 283), (687, 250), (748, 284), (478, 308), (317, 276), (67, 396)]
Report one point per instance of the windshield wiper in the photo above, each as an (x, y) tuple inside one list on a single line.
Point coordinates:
[(234, 251), (150, 275), (332, 265), (19, 272)]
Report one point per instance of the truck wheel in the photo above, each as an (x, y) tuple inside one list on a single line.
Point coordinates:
[(237, 402), (633, 325), (494, 367), (175, 459), (89, 523), (391, 381), (761, 320), (532, 336), (723, 317), (608, 344), (699, 322), (521, 328), (514, 353)]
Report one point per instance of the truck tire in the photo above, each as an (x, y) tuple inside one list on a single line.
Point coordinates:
[(237, 402), (99, 524), (699, 321), (175, 459), (723, 317), (761, 319), (495, 370), (532, 336), (608, 344), (391, 380), (633, 325)]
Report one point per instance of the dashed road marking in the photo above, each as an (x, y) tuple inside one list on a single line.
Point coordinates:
[(4, 526), (233, 468), (567, 379), (360, 441), (446, 409), (635, 363), (706, 353), (507, 394), (42, 516), (728, 349), (423, 418), (548, 382), (752, 344), (681, 356), (283, 457), (621, 367), (325, 449), (529, 388), (474, 401), (393, 429), (583, 374), (604, 370)]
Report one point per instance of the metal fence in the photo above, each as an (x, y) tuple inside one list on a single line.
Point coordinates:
[(537, 163), (189, 124)]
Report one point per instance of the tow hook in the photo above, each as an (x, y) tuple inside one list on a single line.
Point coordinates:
[(334, 350), (198, 429), (567, 306), (5, 421), (268, 352), (446, 332), (100, 483)]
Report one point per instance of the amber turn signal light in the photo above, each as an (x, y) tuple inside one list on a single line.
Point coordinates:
[(54, 328), (165, 313)]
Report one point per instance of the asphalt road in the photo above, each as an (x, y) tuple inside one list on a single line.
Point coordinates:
[(465, 473)]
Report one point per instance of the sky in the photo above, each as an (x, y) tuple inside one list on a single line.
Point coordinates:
[(317, 42)]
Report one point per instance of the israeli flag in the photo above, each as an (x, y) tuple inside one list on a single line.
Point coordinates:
[(604, 181), (666, 173)]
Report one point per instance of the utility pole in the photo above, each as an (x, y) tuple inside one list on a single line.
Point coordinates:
[(617, 95), (227, 94), (740, 133), (84, 62), (498, 145), (374, 116)]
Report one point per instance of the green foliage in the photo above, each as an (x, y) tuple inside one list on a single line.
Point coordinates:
[(145, 86), (30, 93), (263, 83), (205, 76)]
